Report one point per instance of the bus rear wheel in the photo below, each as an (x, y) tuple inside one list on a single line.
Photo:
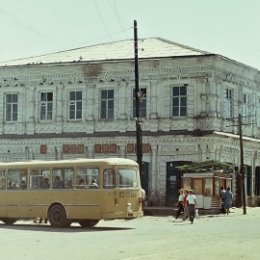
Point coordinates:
[(88, 223), (9, 221), (57, 216)]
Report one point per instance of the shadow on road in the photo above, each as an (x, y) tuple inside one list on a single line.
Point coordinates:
[(47, 228)]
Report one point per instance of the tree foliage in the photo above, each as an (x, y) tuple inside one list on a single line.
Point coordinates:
[(206, 166)]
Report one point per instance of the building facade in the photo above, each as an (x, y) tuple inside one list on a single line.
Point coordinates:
[(81, 103)]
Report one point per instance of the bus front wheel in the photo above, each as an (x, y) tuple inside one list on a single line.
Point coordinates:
[(88, 223), (9, 221), (57, 216)]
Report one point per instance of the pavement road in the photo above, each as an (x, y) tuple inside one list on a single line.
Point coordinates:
[(235, 236)]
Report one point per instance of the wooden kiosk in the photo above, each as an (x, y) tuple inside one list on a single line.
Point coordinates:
[(206, 183)]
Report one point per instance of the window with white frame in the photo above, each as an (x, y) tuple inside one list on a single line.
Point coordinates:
[(179, 101), (11, 107), (46, 105), (245, 108), (229, 104), (107, 104), (142, 102), (75, 105)]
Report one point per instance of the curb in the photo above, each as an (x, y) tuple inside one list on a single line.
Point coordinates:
[(168, 211)]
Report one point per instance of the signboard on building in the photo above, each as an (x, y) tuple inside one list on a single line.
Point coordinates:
[(105, 148), (131, 148), (73, 148), (43, 149)]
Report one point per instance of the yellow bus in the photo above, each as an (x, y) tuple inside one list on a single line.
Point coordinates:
[(66, 191)]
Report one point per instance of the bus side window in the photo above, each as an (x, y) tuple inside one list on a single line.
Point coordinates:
[(35, 180), (62, 178), (109, 178), (87, 178), (17, 179), (40, 179)]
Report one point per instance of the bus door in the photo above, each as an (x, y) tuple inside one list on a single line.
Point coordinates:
[(110, 193), (2, 193), (39, 192), (17, 194), (87, 196)]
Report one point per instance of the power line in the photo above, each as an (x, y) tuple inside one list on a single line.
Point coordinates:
[(102, 21), (118, 18)]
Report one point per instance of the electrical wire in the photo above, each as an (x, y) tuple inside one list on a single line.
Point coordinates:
[(101, 19), (118, 18)]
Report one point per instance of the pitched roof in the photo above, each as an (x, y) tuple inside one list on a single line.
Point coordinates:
[(119, 50)]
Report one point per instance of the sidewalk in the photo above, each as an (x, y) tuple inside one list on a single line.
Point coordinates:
[(171, 211)]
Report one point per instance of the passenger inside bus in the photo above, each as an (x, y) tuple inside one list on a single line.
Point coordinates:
[(58, 184), (82, 184), (45, 183), (11, 185), (23, 185), (94, 183)]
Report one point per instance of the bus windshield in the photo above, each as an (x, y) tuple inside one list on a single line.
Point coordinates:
[(127, 178)]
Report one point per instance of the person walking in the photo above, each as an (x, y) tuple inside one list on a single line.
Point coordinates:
[(180, 204), (222, 196), (186, 207), (192, 205), (228, 199)]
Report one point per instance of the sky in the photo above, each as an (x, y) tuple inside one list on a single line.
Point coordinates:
[(227, 27)]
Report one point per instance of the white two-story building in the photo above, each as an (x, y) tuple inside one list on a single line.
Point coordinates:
[(81, 103)]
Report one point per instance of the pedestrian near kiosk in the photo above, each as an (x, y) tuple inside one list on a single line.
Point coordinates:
[(192, 205), (228, 198), (180, 204), (222, 196), (186, 207)]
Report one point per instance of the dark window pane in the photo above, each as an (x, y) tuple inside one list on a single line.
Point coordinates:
[(43, 96), (110, 114), (8, 98), (72, 95), (49, 106), (104, 94), (79, 95), (111, 93), (175, 111), (15, 116), (103, 113), (175, 101), (110, 104), (183, 101), (50, 96), (183, 111), (103, 105), (15, 98), (71, 114), (79, 105), (183, 91), (176, 91), (78, 115)]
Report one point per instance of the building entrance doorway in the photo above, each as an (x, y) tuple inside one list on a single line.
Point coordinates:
[(145, 177), (173, 182)]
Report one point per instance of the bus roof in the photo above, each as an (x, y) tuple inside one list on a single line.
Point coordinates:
[(78, 161)]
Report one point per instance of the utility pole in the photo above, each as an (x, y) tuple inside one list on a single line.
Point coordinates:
[(139, 152), (242, 169)]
